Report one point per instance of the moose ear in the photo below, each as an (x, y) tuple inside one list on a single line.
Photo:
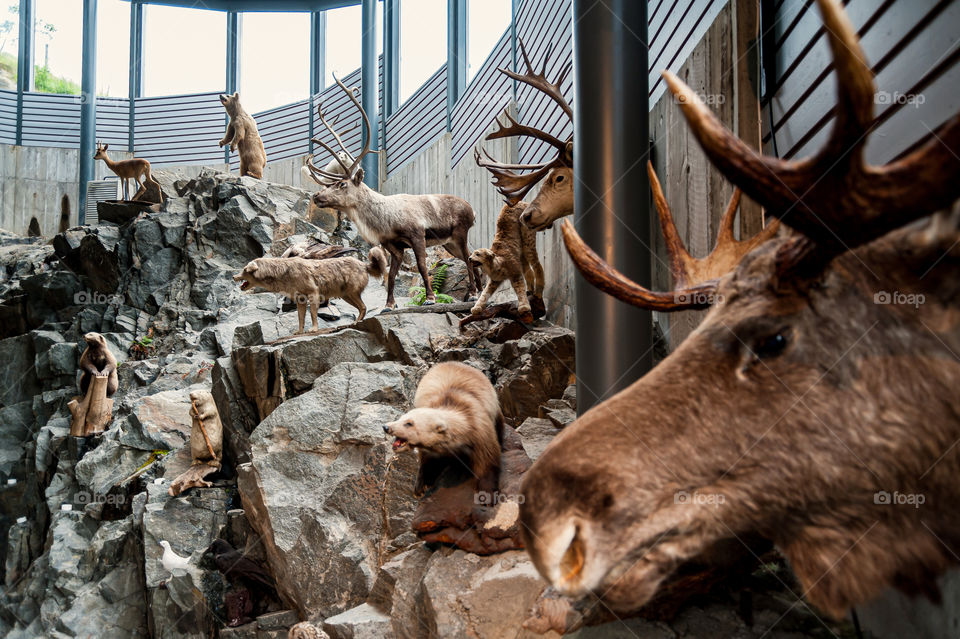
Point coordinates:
[(358, 177)]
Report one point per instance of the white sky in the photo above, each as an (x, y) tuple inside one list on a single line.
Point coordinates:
[(185, 49)]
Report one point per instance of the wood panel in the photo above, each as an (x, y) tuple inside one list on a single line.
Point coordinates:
[(8, 116), (418, 122), (182, 129)]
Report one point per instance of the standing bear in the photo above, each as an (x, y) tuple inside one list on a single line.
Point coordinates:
[(242, 133)]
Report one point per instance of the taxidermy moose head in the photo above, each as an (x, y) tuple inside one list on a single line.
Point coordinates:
[(816, 404), (555, 199)]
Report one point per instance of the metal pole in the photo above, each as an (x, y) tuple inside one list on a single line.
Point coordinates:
[(456, 54), (514, 12), (233, 63), (24, 61), (370, 89), (391, 57), (88, 103), (316, 29), (612, 214), (136, 68)]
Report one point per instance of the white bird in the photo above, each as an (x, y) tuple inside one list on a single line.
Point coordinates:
[(172, 561)]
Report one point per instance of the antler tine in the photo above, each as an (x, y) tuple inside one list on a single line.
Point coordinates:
[(680, 258), (539, 80), (366, 126), (336, 156), (324, 174), (512, 186), (492, 161), (517, 129), (333, 131), (615, 283)]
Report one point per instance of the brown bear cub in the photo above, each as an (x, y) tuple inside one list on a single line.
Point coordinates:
[(242, 133), (314, 281), (456, 415), (97, 360), (512, 256)]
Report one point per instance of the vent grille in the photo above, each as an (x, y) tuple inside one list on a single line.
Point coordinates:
[(100, 191)]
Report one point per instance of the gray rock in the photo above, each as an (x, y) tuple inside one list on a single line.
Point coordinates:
[(277, 620), (536, 434), (362, 622)]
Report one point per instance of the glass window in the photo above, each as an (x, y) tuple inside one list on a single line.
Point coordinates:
[(274, 59), (486, 22), (184, 50), (9, 44), (423, 42), (344, 46), (57, 46), (113, 48)]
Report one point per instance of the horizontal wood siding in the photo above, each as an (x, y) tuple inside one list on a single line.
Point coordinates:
[(285, 131), (181, 129), (487, 96), (338, 109), (113, 122), (8, 117), (418, 122), (675, 27), (912, 47)]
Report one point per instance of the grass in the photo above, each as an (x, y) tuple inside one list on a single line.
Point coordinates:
[(44, 81)]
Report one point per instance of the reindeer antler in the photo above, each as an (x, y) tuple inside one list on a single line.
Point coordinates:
[(514, 186), (834, 198), (351, 171), (695, 280)]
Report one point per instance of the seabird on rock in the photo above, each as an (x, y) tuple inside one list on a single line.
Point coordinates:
[(172, 561)]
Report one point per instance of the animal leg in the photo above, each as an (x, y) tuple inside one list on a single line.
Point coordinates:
[(520, 288), (419, 246), (314, 308), (489, 290), (357, 302), (396, 258), (301, 313)]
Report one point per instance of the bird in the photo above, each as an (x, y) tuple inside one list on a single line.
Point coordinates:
[(235, 566), (172, 561), (306, 630)]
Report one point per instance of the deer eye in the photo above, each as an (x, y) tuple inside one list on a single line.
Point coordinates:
[(559, 179), (772, 345)]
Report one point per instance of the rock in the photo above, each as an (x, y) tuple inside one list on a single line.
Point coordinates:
[(546, 367), (160, 421), (558, 412), (536, 434), (315, 489), (18, 377), (362, 622), (277, 620), (412, 338)]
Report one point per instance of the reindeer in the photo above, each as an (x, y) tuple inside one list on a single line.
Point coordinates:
[(125, 169), (555, 199), (812, 405), (394, 221)]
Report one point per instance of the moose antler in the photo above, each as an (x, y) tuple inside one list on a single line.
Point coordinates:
[(351, 171), (514, 186), (834, 198), (695, 280)]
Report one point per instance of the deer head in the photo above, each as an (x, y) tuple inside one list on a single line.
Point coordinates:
[(816, 403), (555, 199), (101, 153), (343, 185)]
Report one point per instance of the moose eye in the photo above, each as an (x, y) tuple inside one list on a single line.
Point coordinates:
[(772, 346)]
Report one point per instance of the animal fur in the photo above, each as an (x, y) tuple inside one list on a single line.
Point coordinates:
[(242, 134), (317, 251), (314, 281), (456, 414), (512, 256), (211, 423), (98, 360), (136, 168)]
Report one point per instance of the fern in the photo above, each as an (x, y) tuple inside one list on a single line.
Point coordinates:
[(418, 296), (439, 278)]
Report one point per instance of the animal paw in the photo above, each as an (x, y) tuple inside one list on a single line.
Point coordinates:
[(476, 309)]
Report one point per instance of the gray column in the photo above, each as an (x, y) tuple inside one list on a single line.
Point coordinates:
[(391, 57), (88, 103), (136, 68), (611, 144), (456, 54), (233, 63), (24, 61), (370, 89)]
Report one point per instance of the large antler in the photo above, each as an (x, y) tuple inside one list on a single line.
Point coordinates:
[(834, 198), (349, 171), (695, 280), (514, 186)]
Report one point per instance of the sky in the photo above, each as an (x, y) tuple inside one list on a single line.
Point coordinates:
[(185, 49)]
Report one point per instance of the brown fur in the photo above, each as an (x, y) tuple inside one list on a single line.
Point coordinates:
[(314, 281), (135, 168), (242, 134), (98, 360), (456, 414), (554, 200), (512, 256)]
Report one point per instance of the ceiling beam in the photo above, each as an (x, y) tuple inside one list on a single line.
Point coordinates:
[(256, 5)]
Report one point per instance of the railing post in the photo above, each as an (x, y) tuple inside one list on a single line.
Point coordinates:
[(88, 103), (611, 203), (317, 20), (24, 61), (136, 68), (233, 63), (456, 54), (391, 57), (370, 89)]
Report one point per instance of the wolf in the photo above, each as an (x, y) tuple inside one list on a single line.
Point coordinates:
[(314, 281)]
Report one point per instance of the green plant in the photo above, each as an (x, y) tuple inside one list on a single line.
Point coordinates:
[(45, 82), (142, 347), (418, 294)]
